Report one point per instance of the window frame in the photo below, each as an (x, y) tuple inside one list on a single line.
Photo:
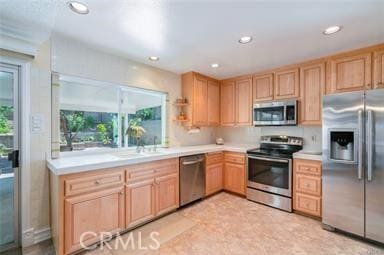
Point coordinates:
[(120, 90)]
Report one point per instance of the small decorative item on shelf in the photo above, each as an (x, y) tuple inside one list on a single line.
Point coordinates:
[(181, 116), (181, 101)]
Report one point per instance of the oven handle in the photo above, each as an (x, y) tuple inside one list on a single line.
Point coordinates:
[(270, 159)]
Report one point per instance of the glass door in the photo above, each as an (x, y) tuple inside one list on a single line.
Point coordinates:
[(9, 145)]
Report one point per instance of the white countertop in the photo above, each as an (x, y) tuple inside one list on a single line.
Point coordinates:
[(76, 164), (310, 155)]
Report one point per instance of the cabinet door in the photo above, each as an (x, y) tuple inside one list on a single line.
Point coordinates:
[(227, 103), (263, 87), (350, 73), (167, 193), (234, 178), (286, 84), (200, 101), (213, 178), (213, 103), (86, 216), (378, 69), (243, 109), (312, 88), (140, 202)]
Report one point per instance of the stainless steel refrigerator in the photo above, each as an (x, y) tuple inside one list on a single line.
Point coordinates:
[(353, 163)]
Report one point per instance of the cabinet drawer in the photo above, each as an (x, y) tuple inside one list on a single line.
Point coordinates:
[(307, 167), (214, 158), (308, 204), (308, 184), (237, 158), (93, 182), (152, 169)]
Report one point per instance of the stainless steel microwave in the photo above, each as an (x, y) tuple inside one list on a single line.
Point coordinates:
[(279, 113)]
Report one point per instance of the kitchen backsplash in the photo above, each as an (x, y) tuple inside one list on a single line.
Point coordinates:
[(251, 135)]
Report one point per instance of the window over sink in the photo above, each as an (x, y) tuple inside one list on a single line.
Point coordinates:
[(95, 115)]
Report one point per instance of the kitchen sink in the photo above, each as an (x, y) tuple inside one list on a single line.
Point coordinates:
[(128, 154)]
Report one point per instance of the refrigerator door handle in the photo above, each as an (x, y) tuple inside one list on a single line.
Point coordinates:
[(361, 128), (369, 144)]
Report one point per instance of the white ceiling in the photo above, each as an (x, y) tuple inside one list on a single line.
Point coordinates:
[(190, 35)]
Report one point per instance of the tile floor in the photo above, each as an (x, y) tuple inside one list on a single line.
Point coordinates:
[(227, 224)]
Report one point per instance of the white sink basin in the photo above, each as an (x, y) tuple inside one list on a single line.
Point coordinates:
[(128, 154), (152, 152)]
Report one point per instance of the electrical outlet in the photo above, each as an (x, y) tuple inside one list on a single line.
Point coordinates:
[(313, 138)]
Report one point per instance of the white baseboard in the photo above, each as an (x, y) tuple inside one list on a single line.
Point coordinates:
[(31, 236), (42, 235)]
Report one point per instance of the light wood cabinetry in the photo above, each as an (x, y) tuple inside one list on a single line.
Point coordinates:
[(307, 186), (227, 101), (110, 200), (236, 102), (243, 98), (152, 190), (350, 72), (286, 84), (263, 87), (202, 93), (213, 103), (312, 89), (213, 173), (234, 172), (96, 212), (140, 202), (378, 68)]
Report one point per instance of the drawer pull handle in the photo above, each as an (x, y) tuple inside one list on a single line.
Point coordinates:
[(97, 182), (308, 185), (307, 205), (121, 193)]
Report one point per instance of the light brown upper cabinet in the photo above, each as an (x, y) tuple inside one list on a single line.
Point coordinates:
[(312, 88), (227, 101), (213, 103), (203, 95), (350, 73), (243, 109), (286, 84), (236, 102), (263, 87), (378, 69)]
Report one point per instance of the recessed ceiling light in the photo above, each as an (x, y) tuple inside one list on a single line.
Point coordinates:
[(215, 65), (245, 39), (78, 7), (332, 30), (153, 58)]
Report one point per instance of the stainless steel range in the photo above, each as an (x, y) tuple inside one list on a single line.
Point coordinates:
[(269, 172)]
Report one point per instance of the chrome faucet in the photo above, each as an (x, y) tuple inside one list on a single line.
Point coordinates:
[(140, 146), (154, 143)]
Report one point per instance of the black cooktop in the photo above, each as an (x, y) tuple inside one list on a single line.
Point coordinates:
[(275, 153)]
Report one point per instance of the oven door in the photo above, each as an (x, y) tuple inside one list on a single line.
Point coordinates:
[(270, 174)]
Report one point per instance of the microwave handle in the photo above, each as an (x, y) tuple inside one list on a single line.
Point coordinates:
[(270, 159), (285, 113)]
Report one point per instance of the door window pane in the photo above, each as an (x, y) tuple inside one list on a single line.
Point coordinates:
[(7, 175)]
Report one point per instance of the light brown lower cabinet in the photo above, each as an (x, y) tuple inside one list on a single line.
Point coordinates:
[(140, 201), (84, 205), (213, 173), (234, 172), (90, 214), (307, 186)]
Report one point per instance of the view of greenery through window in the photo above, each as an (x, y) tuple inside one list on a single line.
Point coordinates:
[(80, 130), (6, 136), (89, 116)]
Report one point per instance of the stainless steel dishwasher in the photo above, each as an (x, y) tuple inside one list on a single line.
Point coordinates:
[(192, 178)]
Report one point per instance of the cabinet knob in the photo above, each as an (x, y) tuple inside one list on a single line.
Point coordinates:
[(97, 182), (121, 193)]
